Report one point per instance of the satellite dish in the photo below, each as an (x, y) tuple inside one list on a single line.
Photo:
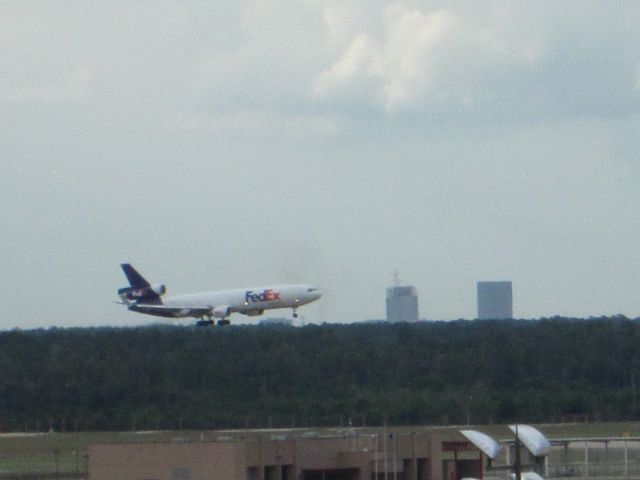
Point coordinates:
[(528, 476), (533, 440), (483, 442)]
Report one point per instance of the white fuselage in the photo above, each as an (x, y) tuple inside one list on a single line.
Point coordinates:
[(246, 300)]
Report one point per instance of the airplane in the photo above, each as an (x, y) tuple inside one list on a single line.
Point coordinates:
[(143, 297)]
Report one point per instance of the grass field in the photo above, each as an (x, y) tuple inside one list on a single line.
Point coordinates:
[(67, 452)]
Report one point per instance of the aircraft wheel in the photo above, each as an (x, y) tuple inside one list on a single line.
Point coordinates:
[(222, 323)]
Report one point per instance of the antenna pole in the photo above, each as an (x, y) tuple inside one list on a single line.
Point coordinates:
[(517, 464)]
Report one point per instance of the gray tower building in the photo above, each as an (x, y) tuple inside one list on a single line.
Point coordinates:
[(495, 300), (402, 304)]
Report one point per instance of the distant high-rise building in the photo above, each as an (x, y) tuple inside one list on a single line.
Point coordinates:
[(495, 300), (402, 304)]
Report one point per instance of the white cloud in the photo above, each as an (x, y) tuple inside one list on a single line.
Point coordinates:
[(374, 56), (497, 60), (340, 21), (422, 57), (410, 56), (357, 60)]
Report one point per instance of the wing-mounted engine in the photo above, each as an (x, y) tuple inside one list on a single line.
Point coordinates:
[(151, 293), (221, 311)]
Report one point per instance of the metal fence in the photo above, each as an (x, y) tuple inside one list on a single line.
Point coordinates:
[(44, 476)]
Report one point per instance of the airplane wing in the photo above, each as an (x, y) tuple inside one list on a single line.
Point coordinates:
[(171, 310)]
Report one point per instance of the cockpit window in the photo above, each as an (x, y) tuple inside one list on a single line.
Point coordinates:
[(312, 289)]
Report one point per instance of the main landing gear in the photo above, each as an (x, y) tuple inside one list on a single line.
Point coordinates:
[(208, 322), (295, 313)]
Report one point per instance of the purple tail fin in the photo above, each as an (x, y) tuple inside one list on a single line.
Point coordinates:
[(135, 279)]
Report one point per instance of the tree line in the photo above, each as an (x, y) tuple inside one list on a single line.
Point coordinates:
[(166, 377)]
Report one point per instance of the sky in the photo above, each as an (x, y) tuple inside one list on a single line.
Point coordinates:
[(238, 143)]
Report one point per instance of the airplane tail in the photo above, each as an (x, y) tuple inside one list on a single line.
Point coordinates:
[(139, 291), (135, 279)]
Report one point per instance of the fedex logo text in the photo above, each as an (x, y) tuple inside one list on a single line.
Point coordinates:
[(264, 296)]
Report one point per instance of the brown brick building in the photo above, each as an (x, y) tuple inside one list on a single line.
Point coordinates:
[(438, 454)]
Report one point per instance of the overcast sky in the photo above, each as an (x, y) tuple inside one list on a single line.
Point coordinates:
[(238, 143)]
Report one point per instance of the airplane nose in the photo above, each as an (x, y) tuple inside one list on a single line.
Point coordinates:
[(312, 294)]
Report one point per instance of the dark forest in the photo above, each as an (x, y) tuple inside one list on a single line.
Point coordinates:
[(437, 373)]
